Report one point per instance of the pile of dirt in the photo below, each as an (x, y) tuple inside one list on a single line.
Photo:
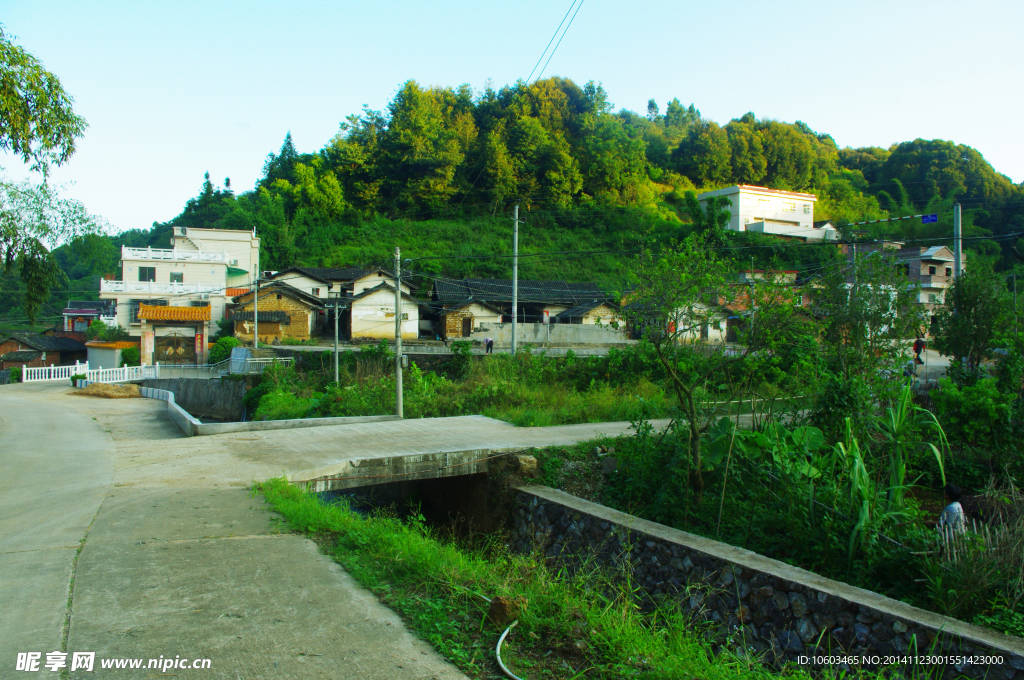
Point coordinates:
[(129, 391)]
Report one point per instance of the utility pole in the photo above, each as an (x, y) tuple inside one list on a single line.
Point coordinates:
[(255, 310), (336, 296), (398, 333), (515, 274), (957, 229)]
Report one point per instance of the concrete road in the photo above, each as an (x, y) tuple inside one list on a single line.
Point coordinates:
[(177, 559)]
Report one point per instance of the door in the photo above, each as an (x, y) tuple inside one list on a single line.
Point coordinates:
[(467, 327), (175, 349)]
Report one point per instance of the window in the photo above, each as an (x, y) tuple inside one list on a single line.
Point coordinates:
[(933, 298), (788, 206), (279, 296), (316, 292), (147, 273), (177, 277), (134, 307), (199, 303), (949, 271), (931, 270), (807, 208)]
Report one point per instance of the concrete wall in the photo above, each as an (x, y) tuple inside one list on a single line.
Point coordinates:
[(204, 398), (777, 609), (558, 333)]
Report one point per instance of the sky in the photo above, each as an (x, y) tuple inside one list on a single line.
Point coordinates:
[(173, 90)]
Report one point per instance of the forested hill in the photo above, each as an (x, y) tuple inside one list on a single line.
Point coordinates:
[(437, 172)]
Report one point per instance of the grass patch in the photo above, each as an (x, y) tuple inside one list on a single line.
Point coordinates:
[(580, 625)]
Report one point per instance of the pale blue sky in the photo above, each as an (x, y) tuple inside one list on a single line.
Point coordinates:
[(171, 90)]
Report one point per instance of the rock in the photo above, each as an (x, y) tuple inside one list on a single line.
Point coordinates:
[(899, 627), (504, 610), (789, 641), (597, 449), (696, 600), (781, 601), (611, 449), (744, 589), (609, 464), (743, 614), (861, 631), (527, 465), (806, 629), (580, 646), (798, 604)]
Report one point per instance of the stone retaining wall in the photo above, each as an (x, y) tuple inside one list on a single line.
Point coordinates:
[(760, 603)]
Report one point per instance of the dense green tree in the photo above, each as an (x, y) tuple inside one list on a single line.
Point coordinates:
[(748, 162), (975, 310), (704, 156)]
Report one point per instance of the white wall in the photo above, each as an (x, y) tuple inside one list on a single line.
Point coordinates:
[(239, 245), (374, 316)]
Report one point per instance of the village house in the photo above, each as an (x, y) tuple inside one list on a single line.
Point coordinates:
[(459, 320), (282, 311), (371, 313), (598, 312), (538, 302), (787, 214), (202, 268), (34, 350)]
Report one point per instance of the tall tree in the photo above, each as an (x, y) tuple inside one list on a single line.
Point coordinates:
[(37, 124)]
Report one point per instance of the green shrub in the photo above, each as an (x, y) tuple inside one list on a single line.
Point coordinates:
[(75, 378), (130, 356), (15, 374), (222, 349)]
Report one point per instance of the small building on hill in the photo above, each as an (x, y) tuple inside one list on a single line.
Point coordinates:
[(282, 311), (787, 214), (598, 312)]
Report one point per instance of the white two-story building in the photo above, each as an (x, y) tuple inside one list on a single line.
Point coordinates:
[(772, 211), (203, 268)]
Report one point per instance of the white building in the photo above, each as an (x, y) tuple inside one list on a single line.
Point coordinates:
[(772, 211), (202, 268)]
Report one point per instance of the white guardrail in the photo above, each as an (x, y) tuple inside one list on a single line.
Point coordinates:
[(129, 373)]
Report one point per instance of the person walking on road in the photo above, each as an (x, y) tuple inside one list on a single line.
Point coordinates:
[(919, 346)]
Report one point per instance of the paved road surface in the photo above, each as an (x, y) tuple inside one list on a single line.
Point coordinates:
[(177, 558)]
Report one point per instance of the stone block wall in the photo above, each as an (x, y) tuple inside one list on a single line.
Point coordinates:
[(758, 603)]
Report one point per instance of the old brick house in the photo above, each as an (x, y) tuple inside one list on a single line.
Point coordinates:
[(282, 311), (32, 349)]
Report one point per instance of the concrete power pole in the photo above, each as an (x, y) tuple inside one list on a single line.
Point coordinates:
[(336, 300), (515, 274), (398, 333), (255, 310), (957, 237)]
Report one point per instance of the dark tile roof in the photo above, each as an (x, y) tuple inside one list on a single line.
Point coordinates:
[(500, 290), (21, 355), (581, 310), (284, 289), (48, 343)]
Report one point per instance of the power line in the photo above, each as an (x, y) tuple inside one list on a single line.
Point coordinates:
[(550, 41), (560, 39)]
